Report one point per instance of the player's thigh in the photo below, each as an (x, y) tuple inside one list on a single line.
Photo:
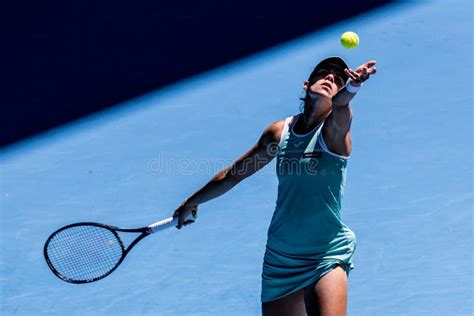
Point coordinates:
[(290, 305), (328, 296)]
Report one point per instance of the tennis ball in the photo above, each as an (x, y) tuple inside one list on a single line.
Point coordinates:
[(349, 40)]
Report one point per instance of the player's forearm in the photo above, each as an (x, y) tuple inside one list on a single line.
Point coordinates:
[(342, 98), (217, 186), (341, 111), (342, 119)]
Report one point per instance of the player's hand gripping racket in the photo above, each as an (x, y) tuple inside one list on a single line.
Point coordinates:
[(87, 252)]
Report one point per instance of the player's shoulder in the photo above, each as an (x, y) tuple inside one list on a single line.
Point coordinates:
[(275, 129)]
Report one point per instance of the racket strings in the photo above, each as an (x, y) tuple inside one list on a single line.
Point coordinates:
[(84, 253)]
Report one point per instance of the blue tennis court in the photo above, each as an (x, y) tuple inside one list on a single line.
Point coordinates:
[(408, 197)]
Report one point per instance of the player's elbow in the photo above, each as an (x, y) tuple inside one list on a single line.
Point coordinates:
[(239, 172)]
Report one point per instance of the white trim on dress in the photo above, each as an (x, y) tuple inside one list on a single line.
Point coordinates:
[(302, 135)]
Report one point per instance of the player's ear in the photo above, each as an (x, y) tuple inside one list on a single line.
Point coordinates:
[(305, 85)]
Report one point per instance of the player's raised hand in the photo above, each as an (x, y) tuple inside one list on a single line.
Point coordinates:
[(361, 73)]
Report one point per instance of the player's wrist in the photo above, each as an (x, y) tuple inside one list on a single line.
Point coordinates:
[(189, 203), (353, 87)]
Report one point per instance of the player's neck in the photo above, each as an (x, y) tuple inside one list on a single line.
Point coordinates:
[(314, 114)]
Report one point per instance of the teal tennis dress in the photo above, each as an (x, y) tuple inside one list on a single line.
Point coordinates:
[(306, 238)]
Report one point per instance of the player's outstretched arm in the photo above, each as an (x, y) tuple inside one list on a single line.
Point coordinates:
[(258, 156), (342, 115)]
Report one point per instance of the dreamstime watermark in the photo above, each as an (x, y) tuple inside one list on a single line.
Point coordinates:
[(164, 165)]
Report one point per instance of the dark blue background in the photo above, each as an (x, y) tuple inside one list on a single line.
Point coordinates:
[(63, 60)]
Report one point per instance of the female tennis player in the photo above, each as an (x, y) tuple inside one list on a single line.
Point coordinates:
[(309, 249)]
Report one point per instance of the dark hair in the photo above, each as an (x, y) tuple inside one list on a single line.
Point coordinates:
[(311, 82)]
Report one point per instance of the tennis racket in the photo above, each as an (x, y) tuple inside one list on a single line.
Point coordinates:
[(87, 252)]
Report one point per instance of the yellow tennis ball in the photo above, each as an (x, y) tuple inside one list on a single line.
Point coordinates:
[(349, 40)]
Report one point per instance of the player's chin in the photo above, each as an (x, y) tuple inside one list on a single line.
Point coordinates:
[(324, 92)]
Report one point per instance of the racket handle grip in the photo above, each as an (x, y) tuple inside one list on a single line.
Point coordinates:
[(168, 223)]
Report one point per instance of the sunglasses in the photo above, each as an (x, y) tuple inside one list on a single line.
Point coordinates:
[(338, 75)]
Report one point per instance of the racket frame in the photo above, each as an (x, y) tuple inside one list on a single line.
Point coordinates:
[(143, 230)]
